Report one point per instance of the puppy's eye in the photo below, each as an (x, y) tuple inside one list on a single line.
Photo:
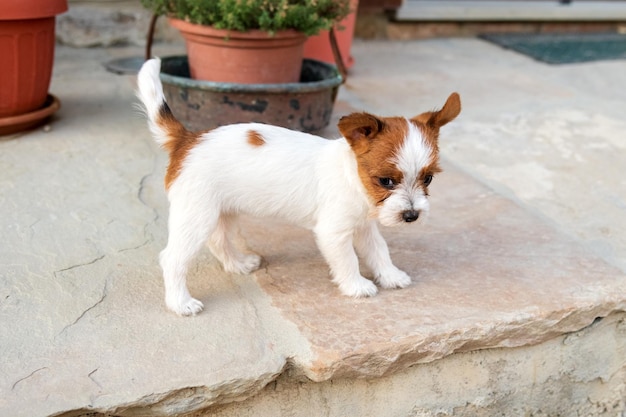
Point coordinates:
[(427, 179), (387, 183)]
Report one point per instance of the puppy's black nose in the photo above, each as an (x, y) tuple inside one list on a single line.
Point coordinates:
[(410, 215)]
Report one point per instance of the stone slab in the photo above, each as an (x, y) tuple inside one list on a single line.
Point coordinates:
[(94, 24), (82, 216), (549, 137), (486, 274), (577, 374), (82, 319)]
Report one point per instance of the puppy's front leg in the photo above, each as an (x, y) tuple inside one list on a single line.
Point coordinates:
[(372, 248), (336, 247)]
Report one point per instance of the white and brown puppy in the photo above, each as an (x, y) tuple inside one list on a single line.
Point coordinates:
[(379, 170)]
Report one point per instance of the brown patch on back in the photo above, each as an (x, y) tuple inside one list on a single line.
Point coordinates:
[(255, 138), (180, 142), (375, 142)]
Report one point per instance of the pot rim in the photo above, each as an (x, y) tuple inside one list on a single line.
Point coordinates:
[(31, 9)]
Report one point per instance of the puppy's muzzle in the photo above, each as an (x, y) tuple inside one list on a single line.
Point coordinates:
[(410, 215)]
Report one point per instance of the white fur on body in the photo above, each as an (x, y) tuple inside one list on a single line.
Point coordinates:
[(300, 178)]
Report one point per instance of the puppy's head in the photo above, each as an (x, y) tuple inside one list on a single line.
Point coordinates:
[(397, 159)]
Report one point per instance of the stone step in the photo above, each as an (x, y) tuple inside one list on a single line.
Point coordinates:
[(502, 317)]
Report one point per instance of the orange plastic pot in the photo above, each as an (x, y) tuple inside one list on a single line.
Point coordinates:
[(253, 57), (27, 48)]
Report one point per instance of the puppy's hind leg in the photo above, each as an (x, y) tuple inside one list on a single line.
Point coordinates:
[(221, 245), (188, 231)]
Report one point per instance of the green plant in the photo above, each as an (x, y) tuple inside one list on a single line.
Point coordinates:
[(307, 16)]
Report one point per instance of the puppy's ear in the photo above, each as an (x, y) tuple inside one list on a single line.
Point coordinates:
[(436, 119), (359, 129)]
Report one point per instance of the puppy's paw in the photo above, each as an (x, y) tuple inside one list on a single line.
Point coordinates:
[(244, 265), (250, 263), (185, 307), (393, 278), (358, 287)]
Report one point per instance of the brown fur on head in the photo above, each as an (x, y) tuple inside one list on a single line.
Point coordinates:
[(430, 122), (377, 143)]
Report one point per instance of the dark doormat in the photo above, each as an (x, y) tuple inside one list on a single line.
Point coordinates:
[(563, 48)]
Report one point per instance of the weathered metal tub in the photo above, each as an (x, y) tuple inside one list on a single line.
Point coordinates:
[(306, 106)]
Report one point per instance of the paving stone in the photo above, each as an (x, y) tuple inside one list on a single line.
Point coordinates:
[(83, 320), (83, 217), (89, 26), (485, 274)]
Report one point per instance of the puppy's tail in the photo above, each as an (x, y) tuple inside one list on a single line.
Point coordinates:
[(164, 126)]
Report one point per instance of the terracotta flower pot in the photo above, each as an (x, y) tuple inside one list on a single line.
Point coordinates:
[(318, 46), (253, 57), (27, 49)]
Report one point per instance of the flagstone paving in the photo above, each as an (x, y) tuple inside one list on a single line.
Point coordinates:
[(524, 241)]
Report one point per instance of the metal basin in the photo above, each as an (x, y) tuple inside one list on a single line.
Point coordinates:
[(306, 106)]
